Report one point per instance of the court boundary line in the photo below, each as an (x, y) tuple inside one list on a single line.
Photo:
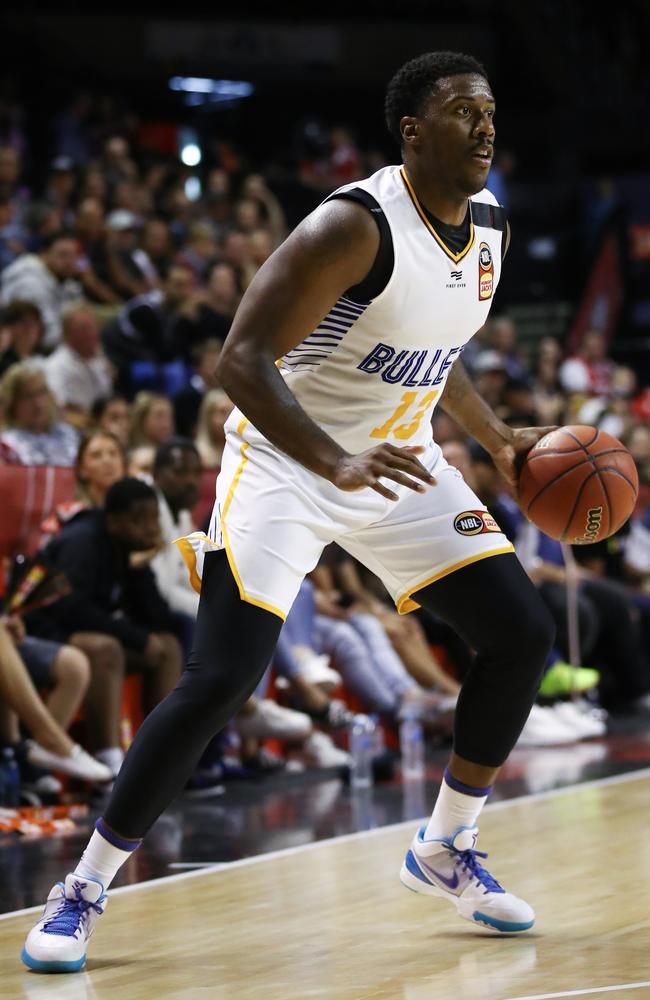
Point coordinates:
[(581, 993), (551, 793)]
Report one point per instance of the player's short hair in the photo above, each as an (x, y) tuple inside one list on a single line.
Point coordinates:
[(414, 82), (123, 494), (166, 452)]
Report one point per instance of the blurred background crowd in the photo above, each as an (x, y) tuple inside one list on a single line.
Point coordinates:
[(128, 236)]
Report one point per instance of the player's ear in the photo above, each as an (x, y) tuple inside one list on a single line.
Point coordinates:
[(410, 129)]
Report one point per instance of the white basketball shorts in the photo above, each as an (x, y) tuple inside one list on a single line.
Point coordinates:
[(274, 518)]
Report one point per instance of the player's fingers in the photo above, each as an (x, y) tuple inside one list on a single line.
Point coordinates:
[(399, 477), (412, 466), (379, 488)]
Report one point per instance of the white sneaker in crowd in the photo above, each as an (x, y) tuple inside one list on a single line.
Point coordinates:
[(319, 750), (584, 725), (545, 729), (316, 670), (112, 758), (77, 764), (270, 721)]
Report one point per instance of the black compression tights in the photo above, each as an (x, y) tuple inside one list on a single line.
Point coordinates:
[(491, 604), (233, 645), (496, 609)]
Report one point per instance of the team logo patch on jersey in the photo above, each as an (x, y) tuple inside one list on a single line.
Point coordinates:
[(475, 522), (485, 272)]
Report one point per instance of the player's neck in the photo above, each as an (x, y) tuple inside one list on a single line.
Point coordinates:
[(435, 196)]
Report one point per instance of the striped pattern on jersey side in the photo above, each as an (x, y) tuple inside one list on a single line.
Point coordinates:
[(327, 336)]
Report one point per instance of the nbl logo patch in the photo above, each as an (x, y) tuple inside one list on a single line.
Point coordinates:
[(485, 272), (475, 522)]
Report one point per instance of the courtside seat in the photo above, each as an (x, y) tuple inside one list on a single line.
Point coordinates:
[(28, 493)]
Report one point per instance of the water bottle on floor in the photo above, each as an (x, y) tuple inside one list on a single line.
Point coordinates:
[(411, 744), (362, 739)]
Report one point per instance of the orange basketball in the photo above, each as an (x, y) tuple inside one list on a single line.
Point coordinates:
[(578, 484)]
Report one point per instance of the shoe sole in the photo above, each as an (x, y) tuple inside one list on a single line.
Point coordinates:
[(38, 965), (414, 884)]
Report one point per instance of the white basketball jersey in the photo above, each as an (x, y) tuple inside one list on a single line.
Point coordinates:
[(374, 372)]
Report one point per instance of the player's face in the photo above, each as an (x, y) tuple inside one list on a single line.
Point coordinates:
[(456, 132)]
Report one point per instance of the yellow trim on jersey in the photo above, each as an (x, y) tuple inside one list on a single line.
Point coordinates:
[(404, 603), (418, 208), (231, 559)]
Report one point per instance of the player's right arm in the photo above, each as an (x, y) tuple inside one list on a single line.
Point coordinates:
[(333, 249)]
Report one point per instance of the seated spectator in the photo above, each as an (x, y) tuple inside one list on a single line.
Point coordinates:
[(113, 415), (32, 429), (114, 608), (612, 412), (101, 461), (502, 336), (13, 235), (588, 372), (548, 398), (177, 477), (199, 252), (145, 328), (210, 314), (154, 256), (127, 277), (152, 420), (48, 279), (90, 230), (140, 462), (77, 372), (236, 251), (210, 434), (49, 745), (21, 334), (187, 402)]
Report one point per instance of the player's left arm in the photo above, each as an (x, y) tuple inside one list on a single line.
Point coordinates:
[(461, 401), (506, 445)]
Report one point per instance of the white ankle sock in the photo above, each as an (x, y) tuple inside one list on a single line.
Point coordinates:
[(455, 808), (101, 860)]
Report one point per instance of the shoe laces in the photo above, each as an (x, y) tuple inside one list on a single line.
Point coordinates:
[(70, 915), (468, 860)]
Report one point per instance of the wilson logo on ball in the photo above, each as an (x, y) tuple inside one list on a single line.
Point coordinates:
[(594, 521)]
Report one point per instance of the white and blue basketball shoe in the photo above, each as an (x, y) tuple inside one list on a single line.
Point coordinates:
[(450, 869), (59, 941)]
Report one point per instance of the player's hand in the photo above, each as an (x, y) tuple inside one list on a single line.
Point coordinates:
[(509, 457), (386, 461)]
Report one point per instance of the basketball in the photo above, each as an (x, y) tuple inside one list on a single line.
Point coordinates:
[(578, 484)]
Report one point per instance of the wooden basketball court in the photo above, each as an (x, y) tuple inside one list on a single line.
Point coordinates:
[(331, 921)]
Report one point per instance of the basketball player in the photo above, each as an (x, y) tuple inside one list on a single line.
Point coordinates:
[(368, 304)]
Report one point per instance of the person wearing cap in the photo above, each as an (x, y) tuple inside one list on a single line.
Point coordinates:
[(91, 232), (490, 370)]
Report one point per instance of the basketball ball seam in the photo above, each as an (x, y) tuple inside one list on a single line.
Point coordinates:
[(576, 502)]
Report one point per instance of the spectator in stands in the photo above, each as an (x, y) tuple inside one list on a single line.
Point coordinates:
[(177, 478), (152, 420), (113, 608), (145, 328), (272, 216), (13, 235), (612, 412), (49, 745), (490, 370), (101, 461), (129, 269), (187, 402), (90, 230), (140, 462), (210, 314), (502, 336), (59, 187), (156, 251), (200, 251), (210, 435), (77, 372), (588, 372), (31, 425), (548, 398), (47, 279), (21, 334), (236, 251), (113, 415), (261, 246)]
